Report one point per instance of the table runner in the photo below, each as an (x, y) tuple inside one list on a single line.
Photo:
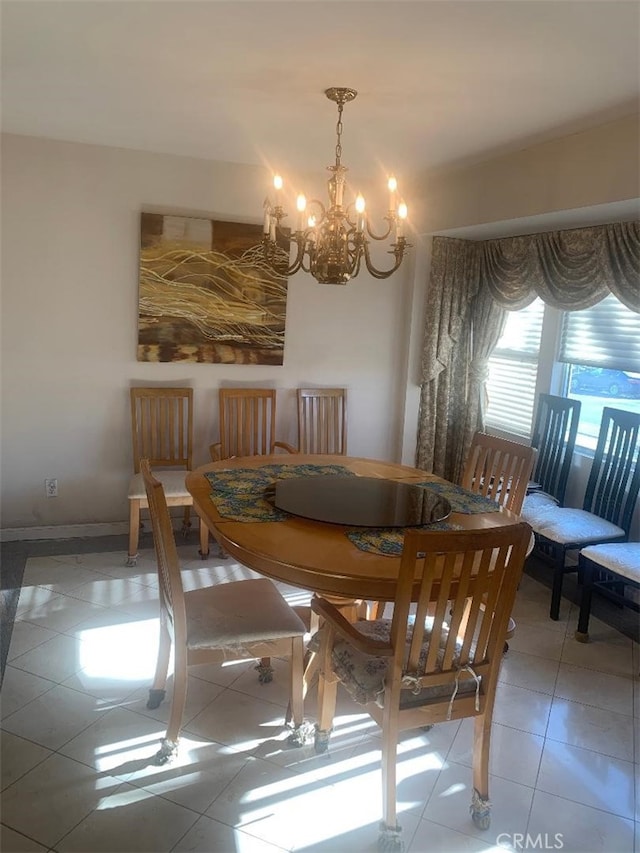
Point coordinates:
[(240, 494)]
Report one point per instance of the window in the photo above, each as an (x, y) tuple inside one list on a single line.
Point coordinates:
[(513, 371), (591, 355), (601, 346)]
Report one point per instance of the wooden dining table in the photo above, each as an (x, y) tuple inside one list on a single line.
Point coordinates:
[(330, 559)]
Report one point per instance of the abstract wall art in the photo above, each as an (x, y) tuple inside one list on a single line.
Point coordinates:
[(206, 294)]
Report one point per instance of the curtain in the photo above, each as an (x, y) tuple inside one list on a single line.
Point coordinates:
[(569, 270), (471, 285), (453, 360)]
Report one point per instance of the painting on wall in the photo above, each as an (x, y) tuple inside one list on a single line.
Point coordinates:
[(206, 293)]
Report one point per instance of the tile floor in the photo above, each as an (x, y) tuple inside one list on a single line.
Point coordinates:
[(77, 740)]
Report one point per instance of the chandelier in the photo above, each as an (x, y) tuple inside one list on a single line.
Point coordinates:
[(331, 242)]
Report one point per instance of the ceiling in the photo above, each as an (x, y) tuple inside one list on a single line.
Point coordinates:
[(440, 83)]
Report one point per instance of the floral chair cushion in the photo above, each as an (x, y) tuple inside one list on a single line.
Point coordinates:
[(364, 675)]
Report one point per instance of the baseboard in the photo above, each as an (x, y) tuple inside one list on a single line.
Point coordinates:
[(63, 531), (70, 531)]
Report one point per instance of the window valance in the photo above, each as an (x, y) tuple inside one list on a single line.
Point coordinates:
[(570, 270)]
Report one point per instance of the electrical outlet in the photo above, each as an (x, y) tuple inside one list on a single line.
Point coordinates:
[(51, 488)]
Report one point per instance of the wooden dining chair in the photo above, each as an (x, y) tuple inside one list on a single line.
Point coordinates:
[(499, 469), (609, 500), (247, 424), (228, 621), (322, 420), (162, 431), (434, 661)]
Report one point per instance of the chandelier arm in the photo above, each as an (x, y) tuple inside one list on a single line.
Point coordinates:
[(398, 251), (269, 249), (358, 258), (297, 263), (374, 236)]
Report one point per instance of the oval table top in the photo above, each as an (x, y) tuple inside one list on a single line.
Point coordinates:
[(315, 555)]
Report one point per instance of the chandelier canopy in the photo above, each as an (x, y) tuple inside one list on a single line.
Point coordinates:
[(330, 242)]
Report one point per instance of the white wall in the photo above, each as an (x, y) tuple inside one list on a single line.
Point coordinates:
[(70, 225), (69, 302), (598, 167)]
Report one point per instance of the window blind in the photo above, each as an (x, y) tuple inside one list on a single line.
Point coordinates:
[(513, 369), (511, 391), (606, 335)]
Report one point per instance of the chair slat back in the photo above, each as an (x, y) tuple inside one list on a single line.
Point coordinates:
[(554, 435), (171, 592), (614, 480), (162, 426), (464, 586), (322, 420), (499, 470), (247, 421)]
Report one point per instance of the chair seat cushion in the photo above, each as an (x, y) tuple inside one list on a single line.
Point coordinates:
[(537, 506), (566, 525), (233, 614), (364, 675), (172, 482), (622, 558)]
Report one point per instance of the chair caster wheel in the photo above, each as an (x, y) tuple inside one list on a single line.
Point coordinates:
[(390, 839), (480, 809), (265, 673), (155, 698), (481, 820), (321, 741), (167, 752)]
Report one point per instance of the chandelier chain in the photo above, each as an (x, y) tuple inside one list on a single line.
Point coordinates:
[(339, 135)]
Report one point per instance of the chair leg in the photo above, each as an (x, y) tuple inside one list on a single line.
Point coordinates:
[(204, 540), (309, 673), (295, 712), (134, 532), (390, 837), (480, 805), (582, 633), (327, 694), (556, 590), (186, 523), (169, 746), (157, 691), (297, 680)]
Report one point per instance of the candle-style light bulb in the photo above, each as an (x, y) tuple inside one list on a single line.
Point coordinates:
[(301, 204), (311, 224), (393, 186), (360, 208), (402, 215), (278, 183)]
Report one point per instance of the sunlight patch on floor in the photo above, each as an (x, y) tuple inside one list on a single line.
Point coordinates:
[(125, 651)]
